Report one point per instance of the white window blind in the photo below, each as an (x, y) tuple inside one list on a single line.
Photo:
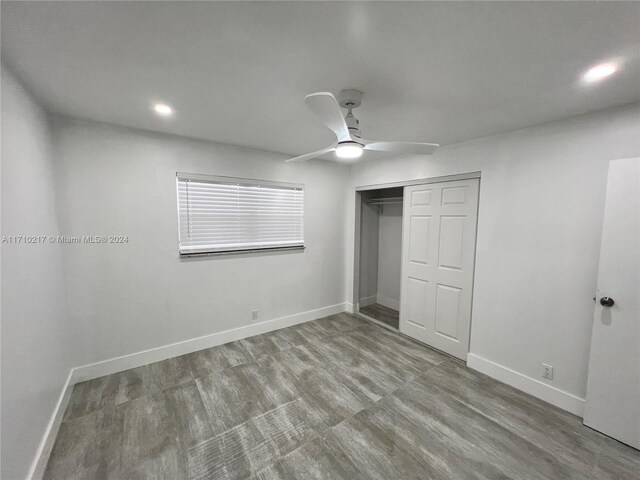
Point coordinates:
[(222, 214)]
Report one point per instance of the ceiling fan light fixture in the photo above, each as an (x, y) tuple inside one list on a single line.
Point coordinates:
[(350, 143), (349, 150)]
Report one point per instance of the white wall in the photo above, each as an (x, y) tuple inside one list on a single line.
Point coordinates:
[(36, 349), (130, 297), (389, 255), (541, 204)]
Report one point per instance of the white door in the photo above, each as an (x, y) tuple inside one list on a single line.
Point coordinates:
[(438, 253), (613, 388)]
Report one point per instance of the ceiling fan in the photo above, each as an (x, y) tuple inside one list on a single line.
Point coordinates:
[(350, 143)]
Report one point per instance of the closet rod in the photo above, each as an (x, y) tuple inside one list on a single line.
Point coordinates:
[(383, 201)]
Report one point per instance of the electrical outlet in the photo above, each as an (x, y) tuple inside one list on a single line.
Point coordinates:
[(548, 371), (254, 314)]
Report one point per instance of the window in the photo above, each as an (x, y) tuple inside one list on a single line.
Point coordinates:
[(223, 214)]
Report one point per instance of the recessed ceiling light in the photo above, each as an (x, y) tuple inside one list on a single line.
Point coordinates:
[(599, 72), (163, 109), (349, 150)]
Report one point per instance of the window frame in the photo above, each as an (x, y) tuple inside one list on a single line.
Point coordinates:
[(219, 179)]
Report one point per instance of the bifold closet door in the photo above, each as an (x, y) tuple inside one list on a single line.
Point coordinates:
[(438, 254)]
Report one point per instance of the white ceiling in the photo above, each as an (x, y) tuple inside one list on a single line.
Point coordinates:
[(237, 72)]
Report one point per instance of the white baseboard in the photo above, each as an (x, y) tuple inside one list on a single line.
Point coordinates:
[(119, 364), (126, 362), (46, 444), (388, 302), (567, 401), (366, 301)]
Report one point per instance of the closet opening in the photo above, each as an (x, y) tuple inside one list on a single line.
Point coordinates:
[(380, 255), (414, 259)]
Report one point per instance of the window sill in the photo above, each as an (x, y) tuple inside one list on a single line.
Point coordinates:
[(237, 252)]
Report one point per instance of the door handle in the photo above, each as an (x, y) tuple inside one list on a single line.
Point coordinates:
[(607, 302)]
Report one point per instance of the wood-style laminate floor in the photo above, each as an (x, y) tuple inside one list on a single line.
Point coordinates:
[(336, 398), (383, 314)]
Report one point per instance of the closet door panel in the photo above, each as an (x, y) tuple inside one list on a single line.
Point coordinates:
[(439, 232)]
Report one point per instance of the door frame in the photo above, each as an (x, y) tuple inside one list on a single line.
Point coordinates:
[(357, 235)]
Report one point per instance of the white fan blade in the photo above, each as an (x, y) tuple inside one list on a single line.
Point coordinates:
[(325, 106), (402, 147), (309, 156)]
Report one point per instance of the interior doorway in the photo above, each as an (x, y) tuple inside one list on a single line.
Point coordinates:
[(613, 386)]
